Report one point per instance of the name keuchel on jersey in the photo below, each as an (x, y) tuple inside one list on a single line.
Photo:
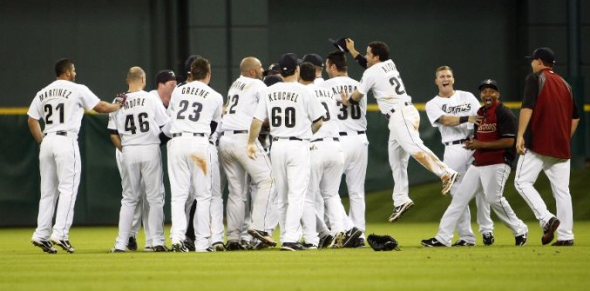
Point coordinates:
[(134, 102), (283, 96), (195, 91), (56, 92)]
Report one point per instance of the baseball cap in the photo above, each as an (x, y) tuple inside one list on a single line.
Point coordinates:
[(340, 44), (488, 83), (273, 68), (315, 59), (189, 61), (271, 80), (164, 76), (288, 62), (543, 53)]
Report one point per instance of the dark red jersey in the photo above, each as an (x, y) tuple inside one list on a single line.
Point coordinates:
[(498, 122)]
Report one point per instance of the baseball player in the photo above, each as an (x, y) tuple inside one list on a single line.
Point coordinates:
[(135, 131), (548, 119), (218, 181), (294, 115), (352, 123), (61, 106), (383, 78), (318, 63), (195, 112), (327, 162), (243, 98), (454, 112), (494, 153)]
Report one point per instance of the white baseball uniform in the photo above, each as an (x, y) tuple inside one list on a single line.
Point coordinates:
[(461, 103), (291, 108), (243, 98), (61, 106), (352, 123), (388, 88), (192, 108), (217, 184), (138, 124)]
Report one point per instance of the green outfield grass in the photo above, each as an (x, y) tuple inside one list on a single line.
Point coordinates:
[(499, 267)]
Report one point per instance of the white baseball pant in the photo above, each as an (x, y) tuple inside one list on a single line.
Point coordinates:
[(217, 185), (356, 156)]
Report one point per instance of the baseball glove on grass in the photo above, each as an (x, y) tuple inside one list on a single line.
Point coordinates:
[(382, 242)]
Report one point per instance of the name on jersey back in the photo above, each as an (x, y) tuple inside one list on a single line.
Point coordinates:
[(195, 91), (283, 96), (134, 102), (56, 92), (343, 88)]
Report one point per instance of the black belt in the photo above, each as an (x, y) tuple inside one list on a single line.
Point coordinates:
[(234, 131), (343, 133), (61, 132), (211, 142), (276, 138), (459, 141), (188, 133), (326, 139), (392, 111)]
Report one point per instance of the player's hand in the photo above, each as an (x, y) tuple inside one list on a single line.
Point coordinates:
[(350, 45), (520, 145), (475, 119), (120, 99), (344, 97), (251, 151), (472, 144)]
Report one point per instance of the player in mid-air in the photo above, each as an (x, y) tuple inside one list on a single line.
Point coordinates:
[(61, 107)]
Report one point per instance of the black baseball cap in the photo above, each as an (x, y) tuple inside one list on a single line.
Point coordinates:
[(288, 63), (543, 53), (488, 83), (315, 59), (189, 61), (273, 68), (271, 80), (340, 44), (164, 76)]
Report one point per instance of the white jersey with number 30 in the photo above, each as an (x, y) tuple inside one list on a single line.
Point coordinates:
[(387, 85), (350, 118)]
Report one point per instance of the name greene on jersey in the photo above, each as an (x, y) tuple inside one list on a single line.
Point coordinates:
[(195, 91), (456, 109), (56, 92), (283, 96)]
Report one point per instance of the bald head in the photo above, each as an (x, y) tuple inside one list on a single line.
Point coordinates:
[(136, 79), (251, 67)]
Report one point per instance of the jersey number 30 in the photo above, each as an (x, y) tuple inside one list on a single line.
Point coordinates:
[(277, 117)]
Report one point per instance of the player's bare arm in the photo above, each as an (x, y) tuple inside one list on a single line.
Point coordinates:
[(575, 123), (316, 125), (116, 140), (350, 47), (449, 120), (255, 127), (35, 129), (523, 122), (104, 107), (502, 143)]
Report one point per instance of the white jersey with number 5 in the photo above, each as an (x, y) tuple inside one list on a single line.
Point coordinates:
[(387, 85), (291, 108), (59, 106), (350, 118), (242, 100), (192, 108)]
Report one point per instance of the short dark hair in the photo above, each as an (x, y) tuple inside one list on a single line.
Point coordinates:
[(379, 48), (199, 68), (547, 64), (62, 66), (307, 72), (338, 58)]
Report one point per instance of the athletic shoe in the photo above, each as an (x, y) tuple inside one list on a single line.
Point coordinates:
[(148, 249), (488, 238), (309, 246), (448, 180), (207, 250), (432, 242), (45, 245), (399, 210), (263, 236), (64, 244), (326, 241), (189, 244), (179, 247), (218, 247), (350, 237), (160, 249), (564, 243), (549, 229), (132, 244), (233, 245), (463, 243), (292, 247), (520, 240), (116, 250), (360, 242)]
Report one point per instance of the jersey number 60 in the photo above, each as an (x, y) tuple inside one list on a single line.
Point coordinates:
[(277, 117)]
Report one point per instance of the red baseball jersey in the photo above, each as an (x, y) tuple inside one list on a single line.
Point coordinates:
[(498, 122)]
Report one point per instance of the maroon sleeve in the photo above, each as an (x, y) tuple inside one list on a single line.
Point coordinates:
[(531, 91)]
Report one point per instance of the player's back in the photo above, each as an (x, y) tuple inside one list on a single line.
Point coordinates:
[(329, 122), (350, 118), (192, 108), (385, 81), (242, 100)]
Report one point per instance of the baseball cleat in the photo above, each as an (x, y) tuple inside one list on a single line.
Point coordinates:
[(432, 242), (399, 210), (463, 243), (488, 238), (309, 246), (326, 241), (292, 247), (45, 245), (263, 236), (160, 249), (218, 247), (116, 250), (178, 248), (564, 243), (189, 244), (64, 244), (520, 240), (234, 245), (448, 180), (350, 237), (549, 229), (360, 243), (132, 244)]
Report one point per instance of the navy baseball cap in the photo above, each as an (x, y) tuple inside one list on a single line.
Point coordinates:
[(315, 59), (543, 53), (488, 83), (271, 80), (164, 76), (274, 68), (340, 44), (189, 61), (288, 63)]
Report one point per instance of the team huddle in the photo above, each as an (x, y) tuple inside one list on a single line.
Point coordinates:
[(282, 142)]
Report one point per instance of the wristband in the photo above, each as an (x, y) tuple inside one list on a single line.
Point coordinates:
[(352, 101), (463, 119)]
